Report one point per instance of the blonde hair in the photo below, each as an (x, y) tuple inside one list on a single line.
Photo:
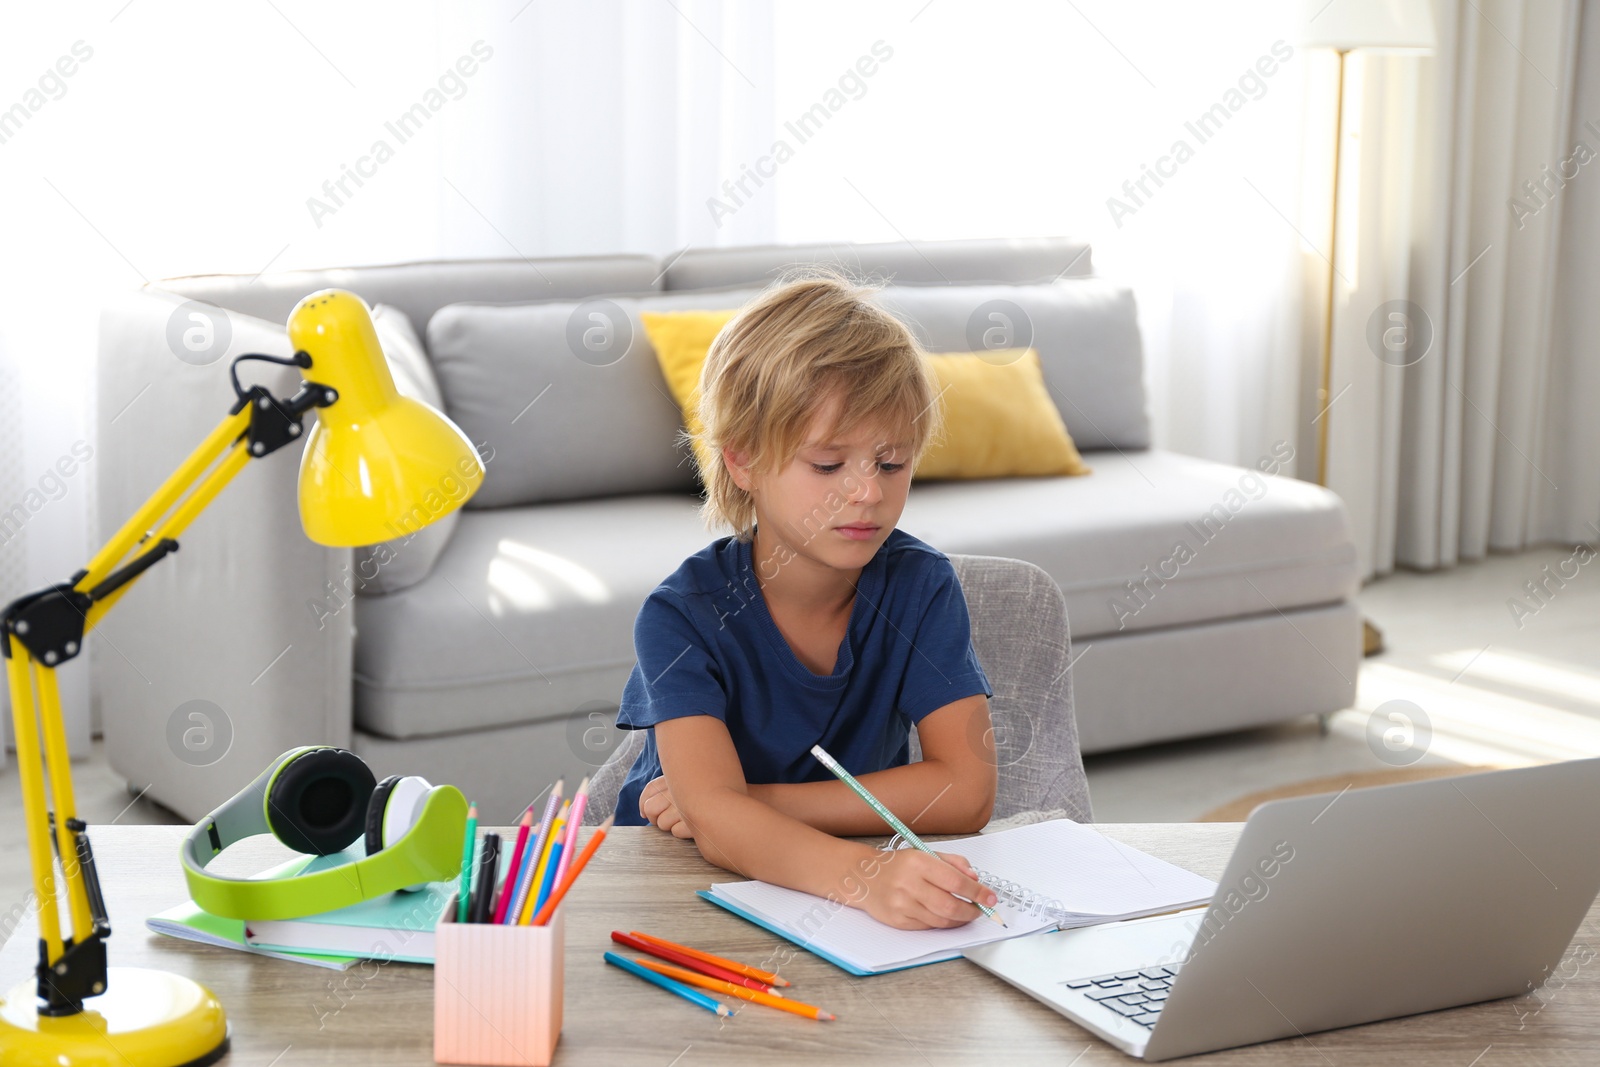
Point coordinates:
[(811, 336)]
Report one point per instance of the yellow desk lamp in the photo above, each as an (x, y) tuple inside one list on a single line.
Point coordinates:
[(371, 457)]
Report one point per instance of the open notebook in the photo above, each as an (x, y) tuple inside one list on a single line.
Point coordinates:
[(1048, 876)]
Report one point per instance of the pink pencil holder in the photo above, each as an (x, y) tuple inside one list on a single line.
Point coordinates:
[(497, 991)]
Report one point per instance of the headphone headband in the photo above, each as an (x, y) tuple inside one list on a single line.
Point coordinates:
[(429, 851)]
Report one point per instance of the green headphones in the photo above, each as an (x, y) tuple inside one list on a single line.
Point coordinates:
[(319, 799)]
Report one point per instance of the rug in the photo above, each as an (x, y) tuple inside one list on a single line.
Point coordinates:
[(1239, 810)]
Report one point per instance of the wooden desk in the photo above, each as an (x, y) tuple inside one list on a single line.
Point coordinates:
[(290, 1014)]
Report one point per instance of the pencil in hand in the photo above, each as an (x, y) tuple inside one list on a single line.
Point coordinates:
[(888, 816)]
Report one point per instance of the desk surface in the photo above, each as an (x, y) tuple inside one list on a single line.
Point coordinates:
[(289, 1014)]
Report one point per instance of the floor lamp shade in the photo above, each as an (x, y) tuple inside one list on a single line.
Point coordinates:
[(1387, 25), (377, 465)]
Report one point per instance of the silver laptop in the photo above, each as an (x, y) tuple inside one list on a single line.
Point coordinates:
[(1341, 909)]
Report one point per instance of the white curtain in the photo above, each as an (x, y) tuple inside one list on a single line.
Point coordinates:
[(1033, 117), (1480, 436), (142, 141)]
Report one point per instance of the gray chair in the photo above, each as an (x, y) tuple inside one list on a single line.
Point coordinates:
[(1020, 633)]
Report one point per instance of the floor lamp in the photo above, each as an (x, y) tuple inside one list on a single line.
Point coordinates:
[(1395, 26), (370, 460)]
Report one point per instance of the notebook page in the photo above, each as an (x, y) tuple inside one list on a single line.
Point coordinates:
[(1071, 867), (856, 937), (1068, 867)]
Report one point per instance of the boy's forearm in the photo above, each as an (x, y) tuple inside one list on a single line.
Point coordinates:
[(925, 795), (741, 833)]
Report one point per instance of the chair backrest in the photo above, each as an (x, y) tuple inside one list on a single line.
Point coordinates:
[(1021, 637)]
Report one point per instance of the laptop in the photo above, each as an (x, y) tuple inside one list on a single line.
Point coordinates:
[(1340, 909)]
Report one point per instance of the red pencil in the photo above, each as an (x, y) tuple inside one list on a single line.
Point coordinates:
[(690, 962), (507, 890)]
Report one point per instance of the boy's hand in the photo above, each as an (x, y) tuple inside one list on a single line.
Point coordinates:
[(657, 808), (915, 891)]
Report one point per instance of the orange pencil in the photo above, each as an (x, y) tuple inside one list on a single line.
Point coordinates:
[(741, 968), (755, 996), (576, 869)]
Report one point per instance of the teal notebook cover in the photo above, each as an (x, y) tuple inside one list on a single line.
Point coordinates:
[(394, 926), (848, 968)]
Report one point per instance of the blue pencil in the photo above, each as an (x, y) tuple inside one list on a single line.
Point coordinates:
[(549, 876), (693, 996)]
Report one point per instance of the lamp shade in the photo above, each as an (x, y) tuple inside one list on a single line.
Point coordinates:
[(377, 465), (1377, 25)]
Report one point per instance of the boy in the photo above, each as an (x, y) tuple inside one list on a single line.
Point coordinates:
[(817, 622)]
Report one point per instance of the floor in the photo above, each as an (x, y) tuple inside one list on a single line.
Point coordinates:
[(1494, 685)]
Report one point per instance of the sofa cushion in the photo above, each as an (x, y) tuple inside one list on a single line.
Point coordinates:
[(529, 613), (1154, 539), (999, 420), (568, 395), (404, 561), (682, 340), (1086, 331)]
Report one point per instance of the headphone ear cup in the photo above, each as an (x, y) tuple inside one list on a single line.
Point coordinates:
[(395, 807), (318, 800), (375, 809), (391, 815)]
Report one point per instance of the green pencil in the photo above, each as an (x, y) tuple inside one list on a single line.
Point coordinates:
[(888, 816), (466, 863)]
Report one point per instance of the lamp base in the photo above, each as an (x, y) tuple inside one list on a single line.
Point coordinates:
[(145, 1018)]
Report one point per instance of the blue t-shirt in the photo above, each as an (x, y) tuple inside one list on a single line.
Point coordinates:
[(707, 646)]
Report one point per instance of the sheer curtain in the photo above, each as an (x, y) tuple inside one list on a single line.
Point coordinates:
[(141, 141), (1478, 434), (1024, 118)]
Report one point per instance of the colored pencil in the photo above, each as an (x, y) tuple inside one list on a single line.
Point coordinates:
[(535, 850), (508, 890), (888, 816), (483, 886), (711, 970), (466, 863), (693, 996), (755, 996), (573, 871), (733, 965), (549, 883), (525, 915), (569, 847)]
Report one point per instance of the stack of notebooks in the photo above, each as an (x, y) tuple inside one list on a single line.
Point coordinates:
[(394, 926), (1049, 876)]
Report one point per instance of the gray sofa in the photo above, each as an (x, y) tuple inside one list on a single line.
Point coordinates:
[(491, 651)]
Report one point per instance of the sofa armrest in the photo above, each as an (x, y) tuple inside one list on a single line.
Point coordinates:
[(238, 646)]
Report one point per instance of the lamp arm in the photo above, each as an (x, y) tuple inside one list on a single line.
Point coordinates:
[(41, 630)]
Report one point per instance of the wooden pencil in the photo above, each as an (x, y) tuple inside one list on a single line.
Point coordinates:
[(755, 996)]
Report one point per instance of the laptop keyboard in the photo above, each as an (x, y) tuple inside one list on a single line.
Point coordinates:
[(1135, 995)]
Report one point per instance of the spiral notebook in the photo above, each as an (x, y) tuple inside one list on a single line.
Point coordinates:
[(1049, 876)]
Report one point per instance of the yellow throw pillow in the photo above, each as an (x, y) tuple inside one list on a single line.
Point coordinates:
[(999, 420), (681, 340)]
